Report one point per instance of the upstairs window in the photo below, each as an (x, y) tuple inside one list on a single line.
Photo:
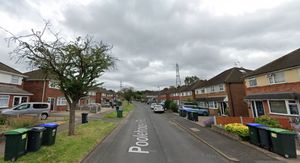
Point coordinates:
[(212, 89), (252, 82), (275, 78), (221, 87), (203, 90), (14, 79)]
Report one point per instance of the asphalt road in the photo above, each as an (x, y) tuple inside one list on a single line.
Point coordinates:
[(149, 137)]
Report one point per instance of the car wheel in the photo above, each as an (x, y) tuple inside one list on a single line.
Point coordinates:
[(44, 116)]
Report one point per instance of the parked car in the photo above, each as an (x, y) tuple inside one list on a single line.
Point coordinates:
[(39, 108), (158, 108), (152, 105), (201, 111)]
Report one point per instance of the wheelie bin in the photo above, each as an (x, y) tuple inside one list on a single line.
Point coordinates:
[(15, 144), (49, 134), (283, 142), (183, 113), (35, 136), (264, 137), (253, 133), (195, 116), (119, 113), (84, 118), (190, 115)]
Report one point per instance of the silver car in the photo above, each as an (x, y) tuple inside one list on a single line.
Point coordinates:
[(39, 108)]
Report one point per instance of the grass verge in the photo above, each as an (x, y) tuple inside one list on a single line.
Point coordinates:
[(71, 148), (127, 107)]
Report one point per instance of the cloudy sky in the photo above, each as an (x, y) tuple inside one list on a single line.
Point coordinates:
[(204, 37)]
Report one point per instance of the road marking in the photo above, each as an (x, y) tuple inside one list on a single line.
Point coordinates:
[(141, 135), (194, 129)]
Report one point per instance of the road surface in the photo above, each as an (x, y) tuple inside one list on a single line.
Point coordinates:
[(149, 137)]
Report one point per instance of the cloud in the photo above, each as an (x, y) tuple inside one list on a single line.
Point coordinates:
[(203, 37)]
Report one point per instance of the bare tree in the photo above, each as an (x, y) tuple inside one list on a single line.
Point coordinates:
[(74, 64)]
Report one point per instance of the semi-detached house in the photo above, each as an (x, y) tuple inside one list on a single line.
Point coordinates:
[(224, 93), (274, 89), (11, 92)]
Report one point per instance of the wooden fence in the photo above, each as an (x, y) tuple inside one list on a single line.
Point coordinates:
[(222, 120)]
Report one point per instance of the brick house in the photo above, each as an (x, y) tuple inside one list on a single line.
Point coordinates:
[(45, 89), (274, 89), (224, 93), (11, 92)]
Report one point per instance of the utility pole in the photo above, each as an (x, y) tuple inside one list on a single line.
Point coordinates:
[(178, 81)]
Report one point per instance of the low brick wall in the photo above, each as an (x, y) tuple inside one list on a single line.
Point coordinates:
[(222, 120)]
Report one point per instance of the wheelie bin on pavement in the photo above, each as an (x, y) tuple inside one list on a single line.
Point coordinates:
[(35, 136), (283, 142), (183, 113), (119, 113), (253, 133), (84, 118), (15, 144), (195, 116), (49, 134), (264, 137), (190, 115)]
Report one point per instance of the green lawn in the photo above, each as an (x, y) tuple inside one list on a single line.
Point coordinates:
[(127, 107), (74, 148)]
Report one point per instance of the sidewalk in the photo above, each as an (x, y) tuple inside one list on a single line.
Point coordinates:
[(231, 148)]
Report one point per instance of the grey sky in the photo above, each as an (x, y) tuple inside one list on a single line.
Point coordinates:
[(149, 37)]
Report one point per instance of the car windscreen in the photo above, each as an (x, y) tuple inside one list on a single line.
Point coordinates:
[(40, 106)]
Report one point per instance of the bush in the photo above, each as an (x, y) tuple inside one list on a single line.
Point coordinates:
[(2, 120), (238, 128), (174, 106), (268, 121), (167, 104)]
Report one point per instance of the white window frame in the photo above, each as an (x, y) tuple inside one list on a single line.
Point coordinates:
[(286, 107), (7, 103), (221, 87), (61, 101), (15, 79), (214, 105), (272, 77), (212, 88), (252, 79), (27, 98)]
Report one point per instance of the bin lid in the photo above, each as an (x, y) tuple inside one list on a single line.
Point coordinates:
[(85, 113), (254, 124), (16, 131), (49, 125), (263, 127), (281, 131), (38, 128)]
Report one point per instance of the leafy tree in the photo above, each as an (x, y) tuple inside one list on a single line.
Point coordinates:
[(128, 93), (74, 64), (189, 80)]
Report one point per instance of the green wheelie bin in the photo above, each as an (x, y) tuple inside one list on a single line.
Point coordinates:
[(119, 113), (35, 136), (195, 116), (49, 134), (15, 144), (253, 133), (283, 142)]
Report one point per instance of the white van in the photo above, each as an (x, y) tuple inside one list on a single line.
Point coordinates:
[(39, 108)]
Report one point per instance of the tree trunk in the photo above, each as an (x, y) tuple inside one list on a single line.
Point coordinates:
[(72, 118)]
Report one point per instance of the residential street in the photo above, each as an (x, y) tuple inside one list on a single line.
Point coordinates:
[(156, 140)]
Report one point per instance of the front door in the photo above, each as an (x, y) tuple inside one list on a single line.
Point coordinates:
[(258, 108)]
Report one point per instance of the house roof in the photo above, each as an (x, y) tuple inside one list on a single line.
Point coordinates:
[(287, 61), (198, 84), (232, 75), (38, 74), (4, 67), (13, 90)]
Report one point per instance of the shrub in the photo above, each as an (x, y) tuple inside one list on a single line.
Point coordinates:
[(2, 120), (174, 106), (167, 104), (238, 128), (268, 121), (25, 121)]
